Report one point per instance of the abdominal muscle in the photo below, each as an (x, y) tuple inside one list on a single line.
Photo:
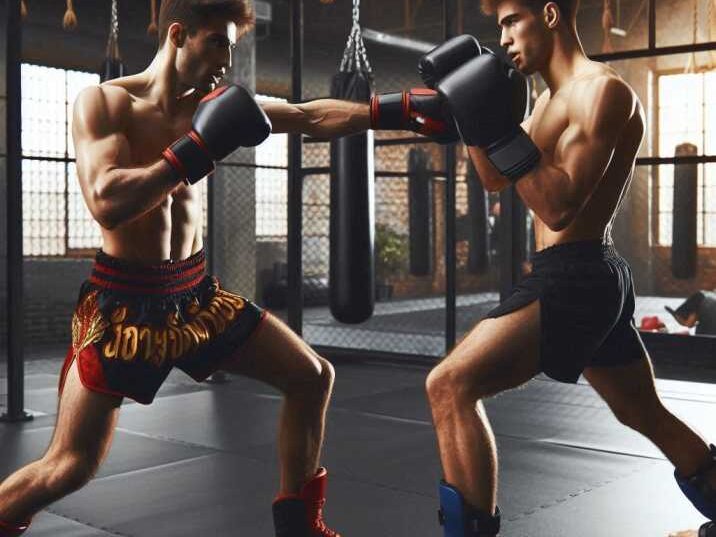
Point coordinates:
[(171, 231)]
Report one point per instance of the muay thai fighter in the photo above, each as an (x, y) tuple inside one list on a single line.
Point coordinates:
[(142, 144)]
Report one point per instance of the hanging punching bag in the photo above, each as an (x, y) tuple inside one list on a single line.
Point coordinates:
[(684, 216), (420, 203), (477, 240), (112, 66), (351, 278)]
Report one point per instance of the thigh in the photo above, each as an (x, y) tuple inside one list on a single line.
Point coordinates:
[(276, 355), (86, 420), (499, 354), (625, 388)]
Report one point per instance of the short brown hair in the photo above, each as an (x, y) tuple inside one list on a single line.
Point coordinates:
[(568, 8), (194, 13)]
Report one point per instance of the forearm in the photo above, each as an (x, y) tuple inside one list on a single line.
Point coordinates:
[(491, 179), (121, 195), (546, 189), (550, 193), (322, 118)]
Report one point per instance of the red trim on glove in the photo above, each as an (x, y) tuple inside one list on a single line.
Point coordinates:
[(174, 162), (374, 111), (422, 91), (406, 107), (431, 126), (214, 94), (198, 141)]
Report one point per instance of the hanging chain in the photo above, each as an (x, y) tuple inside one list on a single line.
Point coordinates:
[(691, 63), (114, 26), (355, 57)]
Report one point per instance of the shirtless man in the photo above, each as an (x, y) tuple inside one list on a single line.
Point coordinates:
[(142, 142), (571, 162)]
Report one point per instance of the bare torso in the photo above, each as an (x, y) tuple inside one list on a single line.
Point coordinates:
[(547, 127), (173, 229), (120, 131)]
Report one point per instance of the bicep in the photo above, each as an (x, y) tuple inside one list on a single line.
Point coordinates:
[(100, 143), (583, 156), (586, 147)]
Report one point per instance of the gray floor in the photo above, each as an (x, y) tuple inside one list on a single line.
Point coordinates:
[(201, 460)]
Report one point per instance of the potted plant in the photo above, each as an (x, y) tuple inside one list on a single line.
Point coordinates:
[(391, 254)]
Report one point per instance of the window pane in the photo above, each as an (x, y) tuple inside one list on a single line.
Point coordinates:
[(43, 111), (43, 206), (271, 184), (83, 231)]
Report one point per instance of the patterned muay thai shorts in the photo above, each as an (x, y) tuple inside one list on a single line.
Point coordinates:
[(133, 323)]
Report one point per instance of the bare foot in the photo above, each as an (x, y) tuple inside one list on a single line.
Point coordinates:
[(685, 533)]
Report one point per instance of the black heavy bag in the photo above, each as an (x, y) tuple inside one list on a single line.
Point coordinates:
[(477, 238), (420, 203), (352, 280), (683, 246), (112, 67)]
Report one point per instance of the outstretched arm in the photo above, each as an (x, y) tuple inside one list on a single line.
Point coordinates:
[(321, 118)]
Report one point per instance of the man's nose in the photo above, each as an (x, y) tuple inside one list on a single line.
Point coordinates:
[(505, 39)]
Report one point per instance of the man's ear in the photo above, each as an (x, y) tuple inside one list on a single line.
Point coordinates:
[(177, 34), (552, 15)]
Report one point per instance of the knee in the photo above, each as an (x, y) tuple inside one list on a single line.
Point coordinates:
[(313, 382), (70, 471), (327, 375), (446, 385)]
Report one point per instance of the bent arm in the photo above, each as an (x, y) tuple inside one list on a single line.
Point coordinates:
[(114, 190), (492, 180), (559, 187), (321, 118), (566, 177)]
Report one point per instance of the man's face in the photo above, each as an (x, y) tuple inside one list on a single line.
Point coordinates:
[(524, 35), (206, 55)]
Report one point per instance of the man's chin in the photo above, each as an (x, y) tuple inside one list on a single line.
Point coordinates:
[(525, 69)]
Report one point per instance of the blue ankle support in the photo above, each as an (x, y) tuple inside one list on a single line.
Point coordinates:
[(460, 520), (698, 489)]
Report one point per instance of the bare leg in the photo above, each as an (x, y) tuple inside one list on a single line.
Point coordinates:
[(631, 394), (497, 355), (280, 358), (83, 434)]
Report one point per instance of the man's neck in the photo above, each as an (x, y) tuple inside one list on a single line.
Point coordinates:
[(567, 61), (163, 86)]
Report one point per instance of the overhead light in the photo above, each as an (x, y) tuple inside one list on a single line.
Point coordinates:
[(397, 41), (618, 31), (263, 10)]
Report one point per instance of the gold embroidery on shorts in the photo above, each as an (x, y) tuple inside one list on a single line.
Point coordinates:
[(88, 326), (176, 339)]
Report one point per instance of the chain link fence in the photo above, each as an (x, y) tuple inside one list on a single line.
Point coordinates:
[(245, 208)]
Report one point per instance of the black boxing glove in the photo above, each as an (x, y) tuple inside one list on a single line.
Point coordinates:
[(226, 119), (447, 57), (481, 96), (419, 110)]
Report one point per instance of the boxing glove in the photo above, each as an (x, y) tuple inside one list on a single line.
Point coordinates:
[(419, 110), (447, 57), (225, 119), (484, 96)]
